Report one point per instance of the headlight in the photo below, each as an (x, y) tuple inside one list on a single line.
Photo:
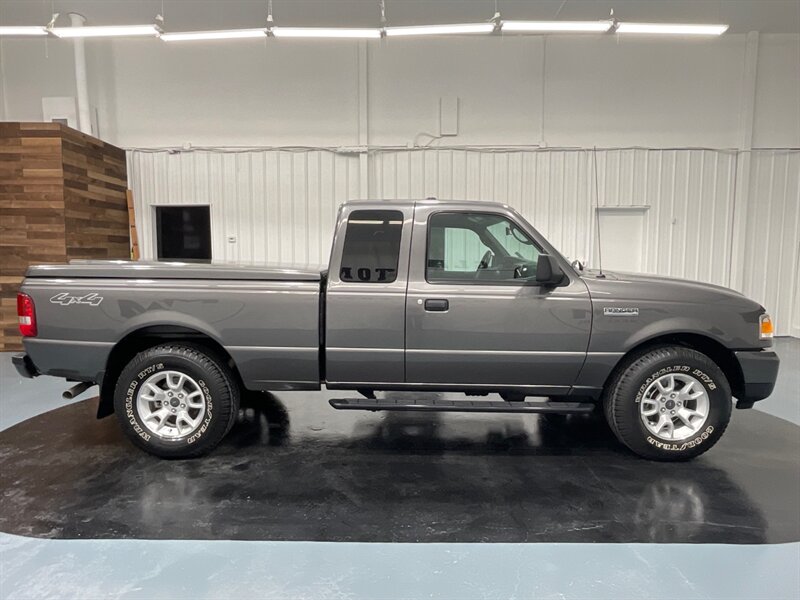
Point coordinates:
[(765, 328)]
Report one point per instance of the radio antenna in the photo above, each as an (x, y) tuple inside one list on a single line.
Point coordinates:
[(600, 275)]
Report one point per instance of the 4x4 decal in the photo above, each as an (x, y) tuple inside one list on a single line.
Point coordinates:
[(65, 299)]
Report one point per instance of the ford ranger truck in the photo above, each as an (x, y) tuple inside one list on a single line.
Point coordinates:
[(422, 296)]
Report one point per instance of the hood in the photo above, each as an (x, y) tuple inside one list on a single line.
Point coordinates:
[(639, 286)]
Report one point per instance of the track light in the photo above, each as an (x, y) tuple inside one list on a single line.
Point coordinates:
[(23, 30), (556, 26), (441, 29), (228, 34), (325, 32), (671, 28), (105, 31)]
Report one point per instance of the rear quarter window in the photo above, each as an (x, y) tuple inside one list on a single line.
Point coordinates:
[(371, 246)]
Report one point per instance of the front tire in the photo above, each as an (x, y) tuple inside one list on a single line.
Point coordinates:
[(176, 400), (670, 403)]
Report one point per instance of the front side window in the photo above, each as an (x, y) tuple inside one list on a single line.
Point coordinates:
[(480, 247), (371, 246)]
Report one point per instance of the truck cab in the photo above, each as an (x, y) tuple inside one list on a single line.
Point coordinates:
[(449, 296)]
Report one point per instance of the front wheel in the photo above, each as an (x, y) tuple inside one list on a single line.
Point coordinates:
[(670, 403), (176, 400)]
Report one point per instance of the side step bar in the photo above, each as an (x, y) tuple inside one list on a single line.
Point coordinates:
[(484, 406)]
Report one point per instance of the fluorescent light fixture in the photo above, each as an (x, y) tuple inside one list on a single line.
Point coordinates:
[(325, 32), (441, 29), (105, 31), (229, 34), (23, 30), (545, 26), (671, 28)]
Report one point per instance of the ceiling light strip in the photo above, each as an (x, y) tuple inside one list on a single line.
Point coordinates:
[(105, 31), (556, 26), (671, 28), (226, 34), (26, 30), (465, 28), (326, 32)]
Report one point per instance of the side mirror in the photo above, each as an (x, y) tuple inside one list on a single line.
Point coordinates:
[(548, 273)]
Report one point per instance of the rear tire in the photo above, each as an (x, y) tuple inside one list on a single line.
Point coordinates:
[(176, 400), (670, 403)]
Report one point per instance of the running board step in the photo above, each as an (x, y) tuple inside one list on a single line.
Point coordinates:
[(485, 406)]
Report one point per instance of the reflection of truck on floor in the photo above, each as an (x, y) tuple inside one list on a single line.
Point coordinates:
[(425, 296)]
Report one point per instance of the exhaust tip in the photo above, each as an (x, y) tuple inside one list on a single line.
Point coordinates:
[(76, 390)]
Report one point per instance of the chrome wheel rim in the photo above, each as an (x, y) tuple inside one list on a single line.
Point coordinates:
[(674, 406), (171, 405)]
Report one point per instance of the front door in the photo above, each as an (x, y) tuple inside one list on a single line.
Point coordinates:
[(474, 315)]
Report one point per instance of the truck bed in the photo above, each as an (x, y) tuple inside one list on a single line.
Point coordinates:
[(265, 317)]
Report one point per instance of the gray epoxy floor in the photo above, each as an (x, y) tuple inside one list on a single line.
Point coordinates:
[(33, 568)]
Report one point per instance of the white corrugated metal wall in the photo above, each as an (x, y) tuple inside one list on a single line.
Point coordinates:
[(280, 205), (771, 266)]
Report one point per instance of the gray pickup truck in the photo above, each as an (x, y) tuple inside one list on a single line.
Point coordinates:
[(419, 296)]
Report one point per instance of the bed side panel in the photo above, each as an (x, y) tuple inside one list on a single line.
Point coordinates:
[(270, 328)]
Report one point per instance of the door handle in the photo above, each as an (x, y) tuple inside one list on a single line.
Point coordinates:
[(436, 305)]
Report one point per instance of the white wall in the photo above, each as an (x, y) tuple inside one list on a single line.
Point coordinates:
[(235, 94), (561, 90), (771, 266), (497, 80), (643, 92), (777, 107)]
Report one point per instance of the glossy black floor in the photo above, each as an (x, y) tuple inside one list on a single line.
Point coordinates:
[(294, 469)]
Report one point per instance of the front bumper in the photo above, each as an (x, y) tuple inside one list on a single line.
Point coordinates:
[(24, 366), (759, 372)]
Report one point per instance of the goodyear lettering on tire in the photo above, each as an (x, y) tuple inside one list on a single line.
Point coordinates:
[(673, 447), (209, 413), (130, 394)]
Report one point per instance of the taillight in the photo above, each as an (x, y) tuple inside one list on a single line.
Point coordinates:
[(27, 315)]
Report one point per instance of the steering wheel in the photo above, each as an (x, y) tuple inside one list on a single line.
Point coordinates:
[(487, 257)]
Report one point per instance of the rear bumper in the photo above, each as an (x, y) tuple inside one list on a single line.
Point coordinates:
[(24, 366), (759, 372)]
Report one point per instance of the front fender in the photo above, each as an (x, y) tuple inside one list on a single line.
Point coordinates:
[(672, 326)]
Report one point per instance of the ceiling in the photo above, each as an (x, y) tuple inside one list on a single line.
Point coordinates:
[(766, 16)]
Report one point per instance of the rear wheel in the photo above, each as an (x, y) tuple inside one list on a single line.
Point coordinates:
[(670, 403), (176, 400)]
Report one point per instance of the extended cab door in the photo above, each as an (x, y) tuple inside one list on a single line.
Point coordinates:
[(365, 300), (472, 321)]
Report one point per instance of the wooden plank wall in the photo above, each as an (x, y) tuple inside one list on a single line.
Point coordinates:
[(95, 203), (62, 196)]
